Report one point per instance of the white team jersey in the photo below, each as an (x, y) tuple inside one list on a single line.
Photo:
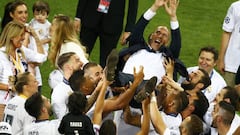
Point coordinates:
[(232, 24), (172, 122), (152, 63), (16, 115), (55, 77), (217, 83), (59, 99), (47, 127)]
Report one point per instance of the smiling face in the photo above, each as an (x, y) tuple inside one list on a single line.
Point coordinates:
[(94, 72), (20, 14), (206, 61), (194, 79), (159, 37)]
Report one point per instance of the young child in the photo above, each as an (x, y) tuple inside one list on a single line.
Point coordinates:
[(76, 122), (40, 23)]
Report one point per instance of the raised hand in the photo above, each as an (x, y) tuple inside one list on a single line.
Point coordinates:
[(169, 66), (157, 4), (123, 38), (171, 9), (138, 76), (171, 84)]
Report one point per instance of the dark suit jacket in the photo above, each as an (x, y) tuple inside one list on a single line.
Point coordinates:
[(137, 42), (112, 22)]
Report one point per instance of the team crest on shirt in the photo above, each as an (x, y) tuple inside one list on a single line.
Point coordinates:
[(227, 20)]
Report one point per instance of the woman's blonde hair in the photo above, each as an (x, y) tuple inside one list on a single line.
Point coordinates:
[(11, 30), (64, 32)]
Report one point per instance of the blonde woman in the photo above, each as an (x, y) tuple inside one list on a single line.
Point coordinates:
[(64, 39), (16, 10), (13, 59)]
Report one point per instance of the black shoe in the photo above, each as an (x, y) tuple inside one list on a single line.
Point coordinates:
[(147, 90), (111, 64)]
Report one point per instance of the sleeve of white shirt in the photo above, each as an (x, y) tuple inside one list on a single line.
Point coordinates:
[(32, 56), (229, 21), (174, 25), (149, 14)]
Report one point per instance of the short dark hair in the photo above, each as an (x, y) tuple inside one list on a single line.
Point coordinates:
[(233, 96), (108, 127), (64, 58), (195, 126), (201, 105), (89, 65), (77, 80), (34, 104), (212, 50), (183, 101), (229, 112), (41, 5), (77, 103), (205, 79)]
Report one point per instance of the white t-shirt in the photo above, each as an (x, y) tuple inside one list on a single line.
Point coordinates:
[(217, 83), (152, 63), (16, 115), (73, 47), (59, 99), (232, 24), (42, 30), (47, 127)]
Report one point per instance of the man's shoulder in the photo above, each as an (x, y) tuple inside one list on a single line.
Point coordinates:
[(217, 76)]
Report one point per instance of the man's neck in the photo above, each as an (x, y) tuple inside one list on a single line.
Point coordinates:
[(223, 129), (67, 74)]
